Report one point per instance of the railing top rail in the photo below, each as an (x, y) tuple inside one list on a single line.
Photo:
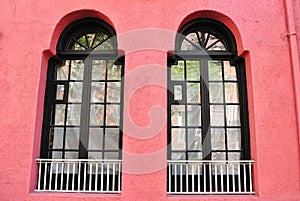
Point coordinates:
[(210, 161), (76, 160)]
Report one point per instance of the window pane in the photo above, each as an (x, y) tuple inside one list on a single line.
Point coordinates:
[(113, 71), (112, 115), (97, 92), (218, 156), (98, 69), (229, 71), (112, 139), (96, 115), (193, 93), (62, 72), (234, 138), (58, 138), (96, 139), (194, 115), (60, 91), (178, 156), (178, 115), (194, 139), (231, 93), (72, 138), (95, 155), (217, 115), (216, 92), (77, 69), (215, 70), (75, 92), (177, 92), (57, 155), (74, 112), (233, 115), (111, 155), (195, 156), (217, 139), (190, 42), (177, 71), (60, 114), (178, 139), (71, 155), (113, 91), (193, 70)]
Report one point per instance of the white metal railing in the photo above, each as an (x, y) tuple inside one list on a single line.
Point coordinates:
[(79, 175), (210, 177)]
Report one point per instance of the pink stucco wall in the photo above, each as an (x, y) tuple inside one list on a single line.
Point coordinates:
[(29, 31)]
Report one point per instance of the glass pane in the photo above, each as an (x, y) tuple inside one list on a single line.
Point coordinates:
[(77, 69), (62, 72), (194, 115), (214, 44), (193, 70), (96, 115), (114, 71), (234, 138), (234, 156), (74, 112), (82, 41), (90, 37), (194, 139), (233, 115), (177, 71), (216, 93), (97, 92), (177, 92), (100, 37), (58, 138), (60, 114), (96, 139), (195, 156), (72, 138), (112, 139), (193, 93), (178, 139), (113, 92), (218, 156), (231, 93), (229, 71), (178, 156), (71, 155), (178, 115), (217, 115), (191, 42), (75, 92), (60, 91), (218, 139), (215, 70), (111, 155), (95, 155), (98, 69), (56, 155), (112, 115)]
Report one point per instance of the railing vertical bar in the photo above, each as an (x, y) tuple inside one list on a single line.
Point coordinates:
[(102, 174), (114, 176), (73, 177), (245, 178), (39, 177), (62, 175), (239, 176), (233, 177), (204, 177), (107, 180), (79, 175), (222, 181), (210, 178), (56, 175), (250, 176), (175, 176), (84, 176), (181, 186), (50, 179), (119, 176), (169, 177), (198, 165), (193, 179), (187, 177), (216, 177), (227, 175), (90, 175), (68, 172), (96, 177), (45, 175)]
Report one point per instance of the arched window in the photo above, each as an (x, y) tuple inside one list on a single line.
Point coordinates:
[(82, 127), (208, 133)]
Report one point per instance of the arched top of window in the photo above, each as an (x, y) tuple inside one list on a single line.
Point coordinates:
[(205, 35), (86, 35)]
